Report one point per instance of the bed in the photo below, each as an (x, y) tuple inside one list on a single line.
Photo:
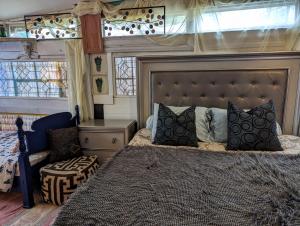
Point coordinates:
[(23, 153), (9, 147), (146, 184)]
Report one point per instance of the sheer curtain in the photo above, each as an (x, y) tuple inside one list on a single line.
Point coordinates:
[(218, 25), (79, 86)]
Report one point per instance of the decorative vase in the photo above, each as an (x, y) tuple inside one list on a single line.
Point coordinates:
[(98, 62), (99, 84)]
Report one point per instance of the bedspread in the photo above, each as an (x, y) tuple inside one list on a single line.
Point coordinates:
[(150, 185), (8, 159)]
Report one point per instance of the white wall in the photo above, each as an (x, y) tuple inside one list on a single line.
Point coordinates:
[(123, 108)]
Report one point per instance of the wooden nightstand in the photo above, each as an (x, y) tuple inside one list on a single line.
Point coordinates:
[(105, 137)]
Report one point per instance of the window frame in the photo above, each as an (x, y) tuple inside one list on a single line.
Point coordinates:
[(37, 97), (250, 6), (114, 77)]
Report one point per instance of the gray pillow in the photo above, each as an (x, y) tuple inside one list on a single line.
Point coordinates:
[(218, 125), (201, 122)]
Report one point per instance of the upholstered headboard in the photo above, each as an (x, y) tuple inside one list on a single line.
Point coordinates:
[(211, 81)]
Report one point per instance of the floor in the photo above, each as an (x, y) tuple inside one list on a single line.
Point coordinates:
[(12, 212)]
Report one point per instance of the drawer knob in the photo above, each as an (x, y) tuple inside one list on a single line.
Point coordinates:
[(114, 140), (86, 140)]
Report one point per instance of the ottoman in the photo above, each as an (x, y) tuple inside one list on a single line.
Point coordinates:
[(60, 179)]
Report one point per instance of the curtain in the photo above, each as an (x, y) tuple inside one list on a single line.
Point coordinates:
[(79, 85), (217, 25)]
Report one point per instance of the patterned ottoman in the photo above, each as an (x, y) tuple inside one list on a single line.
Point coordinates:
[(60, 179)]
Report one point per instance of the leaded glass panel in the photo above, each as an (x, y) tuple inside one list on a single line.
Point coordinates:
[(125, 76), (33, 79)]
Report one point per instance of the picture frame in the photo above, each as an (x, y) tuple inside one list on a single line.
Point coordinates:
[(100, 85), (99, 64)]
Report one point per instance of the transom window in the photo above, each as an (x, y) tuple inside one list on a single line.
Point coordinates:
[(248, 19), (256, 15), (33, 79), (125, 76)]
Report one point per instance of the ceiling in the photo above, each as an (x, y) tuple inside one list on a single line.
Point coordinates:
[(10, 9)]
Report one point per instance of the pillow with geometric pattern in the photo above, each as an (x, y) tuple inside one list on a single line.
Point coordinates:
[(252, 130), (64, 144), (176, 130)]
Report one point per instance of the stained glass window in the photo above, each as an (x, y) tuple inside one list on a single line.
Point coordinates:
[(136, 21), (33, 79), (125, 76), (52, 26)]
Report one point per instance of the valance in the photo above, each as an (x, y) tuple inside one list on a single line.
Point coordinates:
[(215, 25)]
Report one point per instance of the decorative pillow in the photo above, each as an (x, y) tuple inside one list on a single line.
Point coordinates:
[(176, 130), (218, 125), (64, 144), (201, 121), (252, 130)]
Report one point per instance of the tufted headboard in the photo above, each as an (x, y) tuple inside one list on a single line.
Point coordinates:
[(211, 81)]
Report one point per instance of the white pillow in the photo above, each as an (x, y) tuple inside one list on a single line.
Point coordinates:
[(201, 121), (278, 129), (149, 122)]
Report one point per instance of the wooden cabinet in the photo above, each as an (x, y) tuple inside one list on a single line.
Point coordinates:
[(105, 137), (91, 34)]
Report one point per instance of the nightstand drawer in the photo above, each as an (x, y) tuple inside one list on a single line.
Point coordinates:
[(98, 140)]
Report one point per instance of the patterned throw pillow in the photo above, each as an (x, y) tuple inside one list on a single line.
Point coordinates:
[(201, 121), (176, 130), (254, 129), (64, 144), (218, 125)]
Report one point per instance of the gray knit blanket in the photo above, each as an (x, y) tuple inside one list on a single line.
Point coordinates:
[(163, 186)]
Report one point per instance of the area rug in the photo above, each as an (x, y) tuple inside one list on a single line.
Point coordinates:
[(12, 212)]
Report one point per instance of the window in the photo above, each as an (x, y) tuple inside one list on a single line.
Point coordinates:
[(125, 76), (136, 21), (17, 31), (33, 79), (52, 26), (248, 19), (253, 15)]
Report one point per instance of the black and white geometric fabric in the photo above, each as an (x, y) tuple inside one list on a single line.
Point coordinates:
[(254, 129), (59, 180), (9, 153), (176, 130)]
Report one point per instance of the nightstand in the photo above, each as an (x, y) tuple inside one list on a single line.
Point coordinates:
[(105, 137)]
